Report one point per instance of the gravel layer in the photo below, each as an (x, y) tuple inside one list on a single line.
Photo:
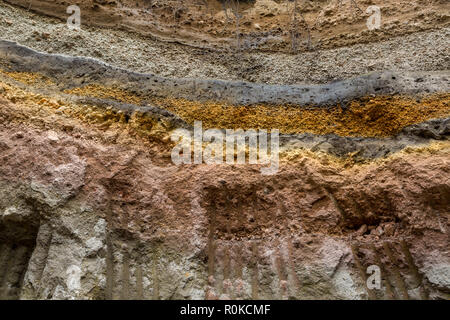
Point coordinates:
[(427, 51)]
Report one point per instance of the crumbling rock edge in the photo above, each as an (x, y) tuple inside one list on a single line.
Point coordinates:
[(127, 226)]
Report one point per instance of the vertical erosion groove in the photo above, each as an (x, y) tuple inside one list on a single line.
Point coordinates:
[(44, 241), (362, 271), (15, 257), (3, 249), (239, 263), (4, 256), (211, 252), (290, 251), (5, 265), (109, 258), (414, 270), (109, 268), (255, 275), (398, 278), (17, 267), (27, 257), (226, 271), (226, 263), (139, 280), (21, 275), (211, 247), (282, 276), (125, 279), (238, 272), (155, 274), (292, 267), (384, 274)]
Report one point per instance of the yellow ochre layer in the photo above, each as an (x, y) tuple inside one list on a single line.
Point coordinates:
[(380, 116)]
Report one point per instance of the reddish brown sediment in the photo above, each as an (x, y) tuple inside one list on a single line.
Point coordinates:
[(92, 206), (153, 201)]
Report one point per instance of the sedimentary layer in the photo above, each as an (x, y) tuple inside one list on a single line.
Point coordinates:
[(423, 49), (92, 205), (263, 25), (129, 223)]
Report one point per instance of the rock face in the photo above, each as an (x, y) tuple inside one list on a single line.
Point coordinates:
[(93, 207), (262, 24), (117, 230)]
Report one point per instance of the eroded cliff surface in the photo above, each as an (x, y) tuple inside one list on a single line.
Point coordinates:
[(92, 205)]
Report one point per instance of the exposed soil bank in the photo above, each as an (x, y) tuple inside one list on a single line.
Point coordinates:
[(420, 51), (124, 217), (262, 24), (93, 207)]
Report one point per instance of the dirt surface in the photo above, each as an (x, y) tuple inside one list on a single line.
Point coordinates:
[(93, 206), (259, 25), (310, 211), (424, 51)]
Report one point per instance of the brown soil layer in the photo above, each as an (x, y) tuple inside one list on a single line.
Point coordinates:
[(319, 175), (68, 166), (263, 24), (93, 207)]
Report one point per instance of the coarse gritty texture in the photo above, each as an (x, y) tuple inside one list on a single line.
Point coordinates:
[(93, 207), (263, 24), (369, 117), (309, 212), (426, 50), (90, 183)]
